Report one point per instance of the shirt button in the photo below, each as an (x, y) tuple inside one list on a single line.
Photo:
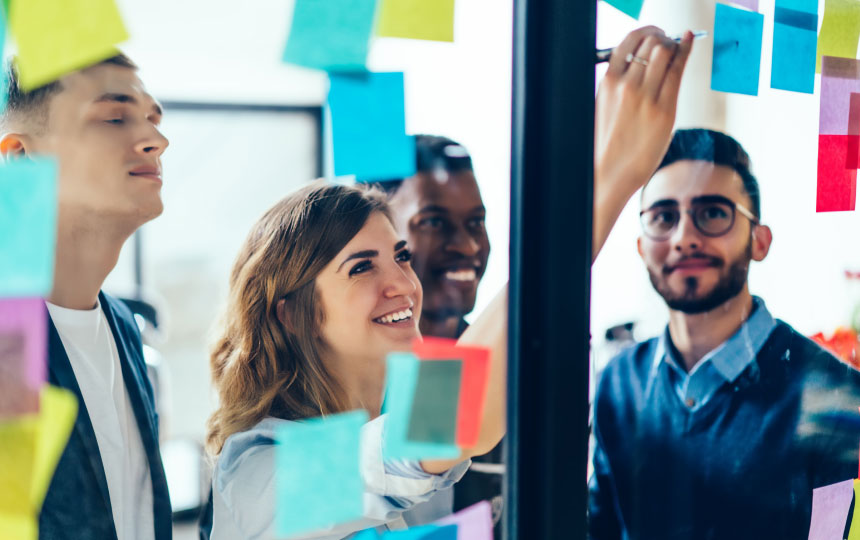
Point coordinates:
[(690, 403)]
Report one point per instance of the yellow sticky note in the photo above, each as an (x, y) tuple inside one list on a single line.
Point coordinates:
[(416, 19), (854, 533), (22, 527), (840, 30), (58, 410), (17, 464), (56, 37)]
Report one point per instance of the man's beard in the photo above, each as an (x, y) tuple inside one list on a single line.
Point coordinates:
[(730, 284)]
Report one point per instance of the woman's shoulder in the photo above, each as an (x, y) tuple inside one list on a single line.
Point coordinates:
[(245, 447)]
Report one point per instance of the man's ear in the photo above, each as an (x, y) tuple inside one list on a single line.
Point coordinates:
[(639, 248), (761, 240), (284, 309), (15, 145)]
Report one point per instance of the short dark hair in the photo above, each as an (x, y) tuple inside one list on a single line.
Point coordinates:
[(434, 152), (717, 148), (33, 104)]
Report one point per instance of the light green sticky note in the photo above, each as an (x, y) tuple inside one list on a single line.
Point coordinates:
[(840, 30), (416, 19), (56, 37), (854, 532)]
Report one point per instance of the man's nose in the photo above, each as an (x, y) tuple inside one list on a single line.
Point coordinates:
[(686, 236), (462, 242)]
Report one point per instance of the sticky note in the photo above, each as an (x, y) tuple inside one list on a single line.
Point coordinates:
[(323, 453), (749, 4), (840, 30), (473, 387), (423, 532), (23, 350), (58, 409), (630, 7), (368, 124), (434, 409), (416, 19), (332, 35), (830, 505), (839, 135), (837, 185), (20, 527), (28, 226), (795, 39), (55, 37), (854, 532), (401, 382), (473, 523), (839, 79), (737, 50)]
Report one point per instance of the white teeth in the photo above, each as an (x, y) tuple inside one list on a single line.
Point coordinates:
[(396, 317), (462, 275)]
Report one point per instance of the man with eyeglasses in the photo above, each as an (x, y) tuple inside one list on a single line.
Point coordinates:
[(722, 426)]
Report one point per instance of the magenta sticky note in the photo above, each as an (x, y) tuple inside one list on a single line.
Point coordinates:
[(473, 523), (830, 505), (23, 327)]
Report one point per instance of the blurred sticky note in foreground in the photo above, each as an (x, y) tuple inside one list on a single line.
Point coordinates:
[(854, 531), (737, 50), (840, 30), (473, 523), (473, 387), (28, 226), (630, 7), (55, 37), (401, 384), (423, 532), (795, 39), (830, 506), (332, 35), (368, 125), (318, 479), (416, 19), (434, 409), (23, 354), (749, 4)]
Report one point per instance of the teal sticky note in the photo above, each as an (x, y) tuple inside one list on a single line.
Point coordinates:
[(332, 35), (318, 479), (401, 382), (368, 124), (28, 226), (434, 409), (424, 532), (737, 50), (795, 41), (630, 7)]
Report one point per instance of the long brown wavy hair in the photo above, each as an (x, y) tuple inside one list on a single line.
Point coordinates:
[(260, 366)]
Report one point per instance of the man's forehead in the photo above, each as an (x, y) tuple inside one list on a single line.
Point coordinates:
[(91, 83), (444, 188), (684, 180)]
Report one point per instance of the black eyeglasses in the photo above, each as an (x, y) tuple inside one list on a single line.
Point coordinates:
[(712, 216)]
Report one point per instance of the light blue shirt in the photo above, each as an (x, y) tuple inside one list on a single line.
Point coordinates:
[(720, 366)]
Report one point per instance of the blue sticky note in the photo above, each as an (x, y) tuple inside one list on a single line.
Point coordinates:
[(332, 35), (795, 41), (28, 226), (630, 7), (424, 532), (401, 382), (737, 50), (318, 479), (368, 124)]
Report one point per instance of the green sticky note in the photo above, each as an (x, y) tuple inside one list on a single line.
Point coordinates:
[(401, 383), (416, 19), (56, 37), (434, 409), (332, 35), (318, 477), (854, 533), (840, 30), (28, 227), (630, 7)]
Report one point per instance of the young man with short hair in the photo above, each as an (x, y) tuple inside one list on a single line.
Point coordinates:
[(719, 428), (102, 127)]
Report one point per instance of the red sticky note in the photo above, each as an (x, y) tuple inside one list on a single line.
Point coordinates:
[(837, 179), (473, 386)]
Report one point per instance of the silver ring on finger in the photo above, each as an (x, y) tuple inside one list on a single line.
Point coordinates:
[(633, 58)]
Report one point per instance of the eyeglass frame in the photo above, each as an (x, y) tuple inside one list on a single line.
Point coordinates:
[(735, 206)]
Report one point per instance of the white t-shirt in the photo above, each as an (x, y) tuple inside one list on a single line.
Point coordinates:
[(92, 351)]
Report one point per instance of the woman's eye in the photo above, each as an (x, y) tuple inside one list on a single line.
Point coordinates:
[(361, 268), (404, 256), (115, 121)]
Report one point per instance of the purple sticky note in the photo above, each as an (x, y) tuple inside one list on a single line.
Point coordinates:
[(830, 505), (473, 523), (749, 4), (840, 77), (26, 319)]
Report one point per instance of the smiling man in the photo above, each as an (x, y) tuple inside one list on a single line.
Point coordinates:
[(723, 426), (102, 127)]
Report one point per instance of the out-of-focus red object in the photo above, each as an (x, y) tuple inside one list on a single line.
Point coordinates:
[(843, 343)]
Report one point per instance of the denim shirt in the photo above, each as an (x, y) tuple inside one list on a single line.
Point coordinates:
[(720, 366), (397, 493)]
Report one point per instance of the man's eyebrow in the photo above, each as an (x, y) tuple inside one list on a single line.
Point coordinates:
[(112, 97), (433, 208), (711, 198), (366, 254), (664, 202)]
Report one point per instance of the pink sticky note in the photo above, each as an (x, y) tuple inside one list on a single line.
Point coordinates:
[(23, 341), (840, 78), (830, 505), (749, 4), (476, 522)]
